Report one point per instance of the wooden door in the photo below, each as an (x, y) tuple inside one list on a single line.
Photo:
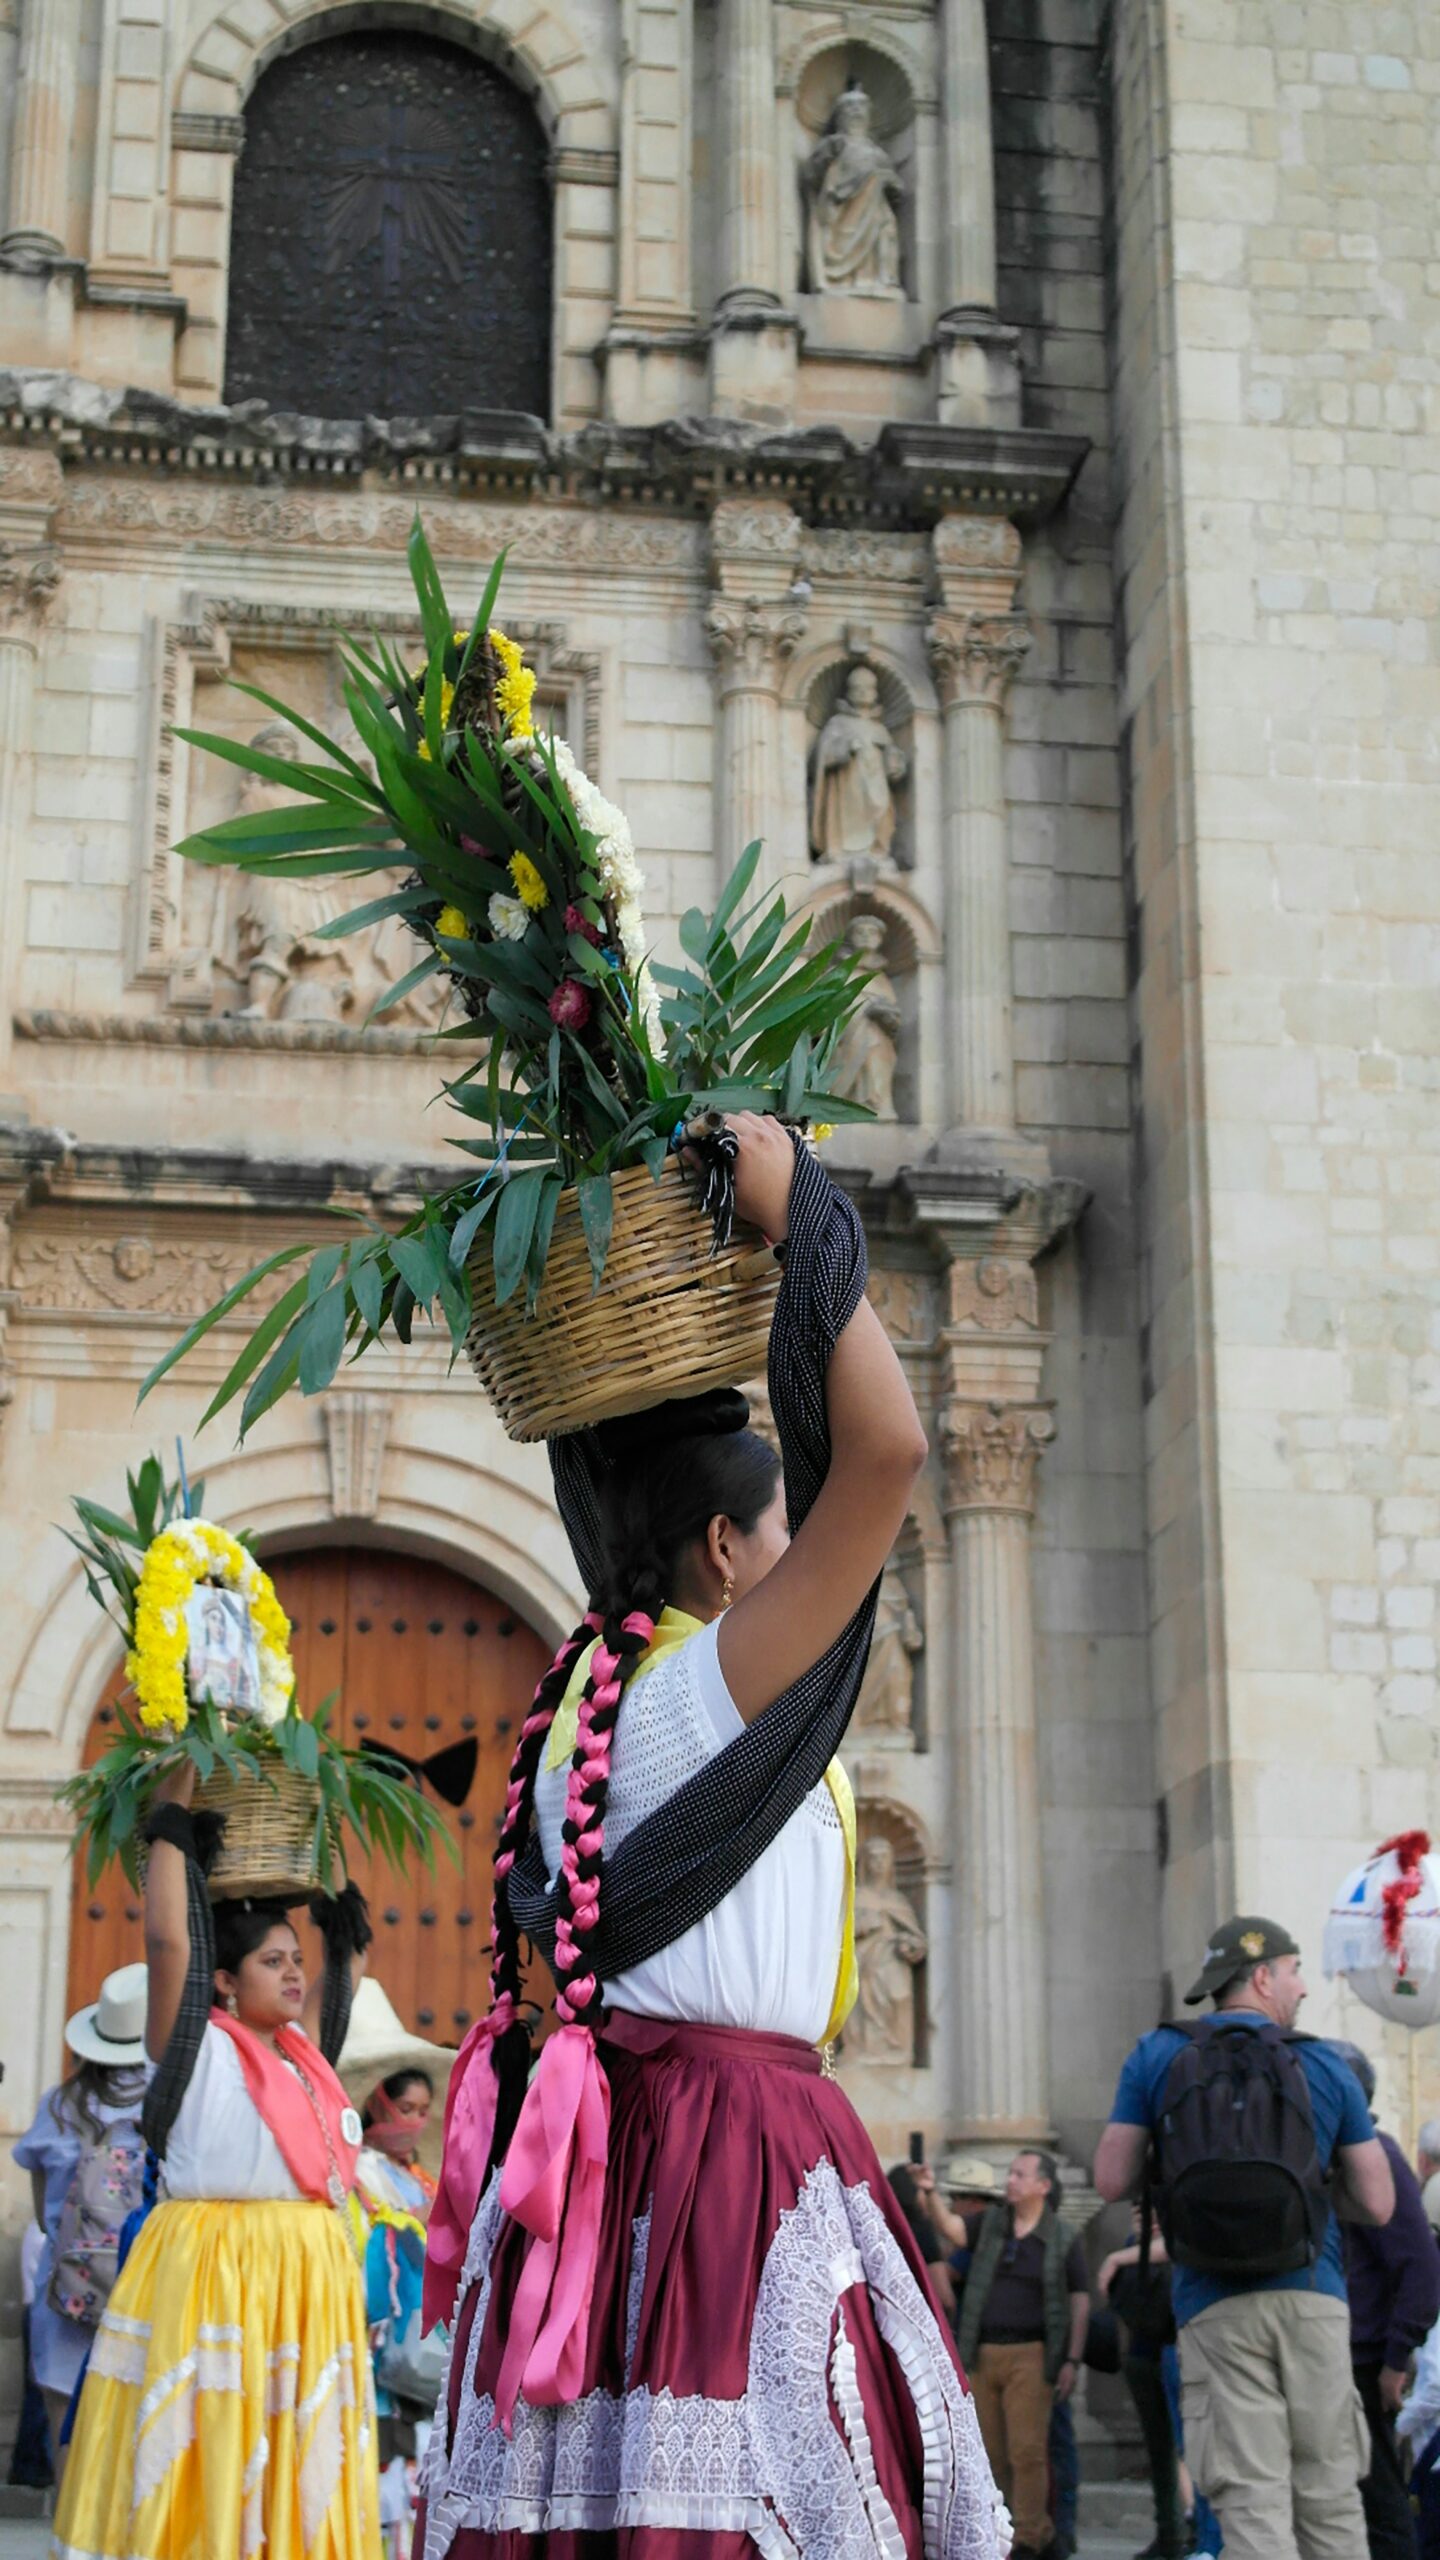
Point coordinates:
[(420, 1657)]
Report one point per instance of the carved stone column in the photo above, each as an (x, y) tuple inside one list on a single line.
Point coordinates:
[(991, 1452), (976, 643), (754, 625), (753, 343), (978, 368), (29, 578), (44, 116), (992, 1426)]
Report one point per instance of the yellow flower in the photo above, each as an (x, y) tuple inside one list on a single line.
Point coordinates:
[(447, 697), (515, 691), (823, 1129), (451, 923), (530, 889), (189, 1552)]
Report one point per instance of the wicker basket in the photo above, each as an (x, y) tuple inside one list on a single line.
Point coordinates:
[(269, 1844), (669, 1318)]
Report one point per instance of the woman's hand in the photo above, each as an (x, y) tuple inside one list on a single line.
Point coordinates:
[(764, 1171), (178, 1785)]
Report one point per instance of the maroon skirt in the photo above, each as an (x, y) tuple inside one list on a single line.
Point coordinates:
[(767, 2369)]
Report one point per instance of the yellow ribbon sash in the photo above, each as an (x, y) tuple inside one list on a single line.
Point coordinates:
[(673, 1628)]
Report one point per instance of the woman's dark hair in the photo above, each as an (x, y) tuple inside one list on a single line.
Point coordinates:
[(666, 1484), (395, 2087), (241, 1927), (89, 2087)]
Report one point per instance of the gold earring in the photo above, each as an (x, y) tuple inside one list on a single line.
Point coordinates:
[(727, 1592)]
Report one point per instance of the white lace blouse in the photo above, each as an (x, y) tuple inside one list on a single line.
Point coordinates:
[(766, 1957)]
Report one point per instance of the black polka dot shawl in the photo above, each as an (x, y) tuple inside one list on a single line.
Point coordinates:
[(678, 1864)]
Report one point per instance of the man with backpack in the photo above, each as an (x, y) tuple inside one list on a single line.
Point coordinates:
[(1248, 2138)]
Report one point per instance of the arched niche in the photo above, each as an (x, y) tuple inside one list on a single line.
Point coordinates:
[(898, 945), (825, 691), (821, 78), (391, 232), (890, 2026)]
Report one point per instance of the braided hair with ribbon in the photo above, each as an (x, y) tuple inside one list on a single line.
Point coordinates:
[(667, 1474)]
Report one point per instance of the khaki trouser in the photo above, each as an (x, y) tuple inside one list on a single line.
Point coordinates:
[(1275, 2436), (1013, 2402)]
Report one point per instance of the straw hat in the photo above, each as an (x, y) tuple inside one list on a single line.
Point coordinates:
[(968, 2174), (377, 2046), (112, 2028)]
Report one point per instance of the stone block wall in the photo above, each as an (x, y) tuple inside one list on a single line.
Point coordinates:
[(1280, 413)]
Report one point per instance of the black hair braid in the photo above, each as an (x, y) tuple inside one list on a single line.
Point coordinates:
[(512, 2050), (625, 1635)]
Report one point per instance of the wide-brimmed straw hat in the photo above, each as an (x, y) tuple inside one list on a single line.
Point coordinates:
[(377, 2045), (112, 2028)]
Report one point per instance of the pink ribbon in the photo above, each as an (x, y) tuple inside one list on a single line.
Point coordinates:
[(470, 2104), (553, 2185)]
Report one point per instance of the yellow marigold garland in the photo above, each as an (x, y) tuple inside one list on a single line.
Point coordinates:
[(515, 691), (187, 1553)]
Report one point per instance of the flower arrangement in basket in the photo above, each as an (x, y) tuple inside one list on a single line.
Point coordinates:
[(210, 1680), (582, 1057)]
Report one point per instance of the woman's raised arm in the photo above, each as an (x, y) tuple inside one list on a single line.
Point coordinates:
[(167, 1924), (791, 1618)]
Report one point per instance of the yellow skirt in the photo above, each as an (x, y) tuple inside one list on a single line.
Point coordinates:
[(228, 2408)]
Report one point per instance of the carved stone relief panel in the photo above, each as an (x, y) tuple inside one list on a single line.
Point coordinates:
[(233, 947), (889, 2023)]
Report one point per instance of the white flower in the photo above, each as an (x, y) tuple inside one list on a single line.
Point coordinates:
[(509, 918)]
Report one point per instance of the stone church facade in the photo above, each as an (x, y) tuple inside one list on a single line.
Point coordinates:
[(992, 456)]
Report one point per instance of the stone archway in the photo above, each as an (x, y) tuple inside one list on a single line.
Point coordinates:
[(421, 1656)]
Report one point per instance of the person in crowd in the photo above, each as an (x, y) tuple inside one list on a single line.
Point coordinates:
[(394, 2120), (678, 1841), (92, 2116), (227, 2407), (30, 2465), (913, 2183), (1274, 2433), (1417, 2428), (1023, 2315), (1392, 2276), (1139, 2294), (1427, 2169)]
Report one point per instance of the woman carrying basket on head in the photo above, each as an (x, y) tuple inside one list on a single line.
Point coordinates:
[(228, 2404), (689, 2320)]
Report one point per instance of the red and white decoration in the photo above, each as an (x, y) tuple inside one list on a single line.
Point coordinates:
[(1382, 1936)]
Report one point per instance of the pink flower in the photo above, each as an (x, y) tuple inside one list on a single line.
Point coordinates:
[(472, 844), (576, 923), (569, 1006)]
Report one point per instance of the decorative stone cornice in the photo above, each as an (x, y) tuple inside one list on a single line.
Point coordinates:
[(356, 1429), (751, 639), (911, 476), (975, 656), (991, 1454)]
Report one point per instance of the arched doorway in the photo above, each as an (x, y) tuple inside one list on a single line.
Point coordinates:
[(420, 1657)]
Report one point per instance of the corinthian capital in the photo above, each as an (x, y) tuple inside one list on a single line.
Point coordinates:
[(28, 584), (991, 1453), (976, 655), (751, 639)]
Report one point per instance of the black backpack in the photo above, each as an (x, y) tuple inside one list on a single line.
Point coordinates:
[(1236, 2177)]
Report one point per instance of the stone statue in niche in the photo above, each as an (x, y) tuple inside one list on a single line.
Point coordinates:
[(889, 1944), (855, 766), (852, 189), (886, 1704), (863, 1068)]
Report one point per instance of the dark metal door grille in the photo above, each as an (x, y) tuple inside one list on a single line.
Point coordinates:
[(390, 249)]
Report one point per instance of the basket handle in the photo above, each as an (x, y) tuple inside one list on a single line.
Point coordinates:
[(757, 1264)]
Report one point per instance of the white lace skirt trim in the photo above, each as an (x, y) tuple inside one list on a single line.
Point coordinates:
[(649, 2458)]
